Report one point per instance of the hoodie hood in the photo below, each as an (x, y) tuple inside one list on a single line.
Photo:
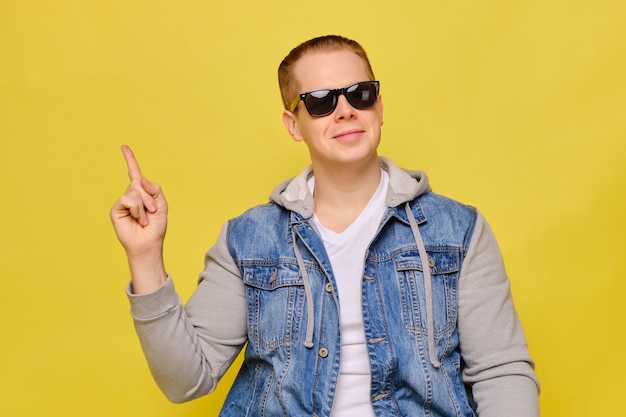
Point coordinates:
[(404, 185)]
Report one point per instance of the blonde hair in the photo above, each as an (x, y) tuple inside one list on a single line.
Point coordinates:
[(286, 80)]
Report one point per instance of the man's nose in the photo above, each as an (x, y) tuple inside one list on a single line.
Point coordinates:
[(344, 109)]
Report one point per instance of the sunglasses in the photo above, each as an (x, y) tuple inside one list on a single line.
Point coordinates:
[(320, 103)]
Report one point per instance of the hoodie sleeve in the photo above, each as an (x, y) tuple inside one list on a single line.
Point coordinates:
[(498, 365), (188, 349)]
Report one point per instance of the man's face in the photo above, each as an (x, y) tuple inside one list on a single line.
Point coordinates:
[(347, 135)]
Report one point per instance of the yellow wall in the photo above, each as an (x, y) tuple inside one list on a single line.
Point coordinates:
[(516, 107)]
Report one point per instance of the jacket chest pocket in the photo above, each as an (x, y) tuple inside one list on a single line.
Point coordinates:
[(444, 265), (275, 297)]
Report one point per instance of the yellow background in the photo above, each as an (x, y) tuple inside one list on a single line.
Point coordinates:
[(515, 107)]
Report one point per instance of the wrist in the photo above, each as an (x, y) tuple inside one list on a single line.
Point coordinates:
[(147, 272)]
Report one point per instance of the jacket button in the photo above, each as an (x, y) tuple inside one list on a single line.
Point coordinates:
[(328, 287), (323, 352), (431, 263)]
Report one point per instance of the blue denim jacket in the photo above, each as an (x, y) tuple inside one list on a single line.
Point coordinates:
[(444, 340), (292, 357)]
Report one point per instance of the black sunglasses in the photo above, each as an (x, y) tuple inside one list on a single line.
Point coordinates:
[(320, 103)]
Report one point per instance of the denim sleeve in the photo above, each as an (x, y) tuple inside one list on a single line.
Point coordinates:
[(498, 365), (188, 349)]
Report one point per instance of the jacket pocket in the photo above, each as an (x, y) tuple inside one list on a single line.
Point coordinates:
[(444, 264), (275, 296)]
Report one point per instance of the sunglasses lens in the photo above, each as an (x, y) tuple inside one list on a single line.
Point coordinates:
[(362, 95), (320, 102)]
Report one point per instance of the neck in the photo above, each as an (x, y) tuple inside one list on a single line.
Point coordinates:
[(341, 193)]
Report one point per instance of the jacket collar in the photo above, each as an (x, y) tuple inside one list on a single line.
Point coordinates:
[(404, 185)]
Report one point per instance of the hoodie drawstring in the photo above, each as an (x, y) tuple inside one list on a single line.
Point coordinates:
[(308, 342), (428, 285), (427, 288)]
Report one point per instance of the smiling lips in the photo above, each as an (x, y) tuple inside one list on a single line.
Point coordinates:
[(348, 134)]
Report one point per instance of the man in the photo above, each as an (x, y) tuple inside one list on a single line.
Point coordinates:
[(356, 290)]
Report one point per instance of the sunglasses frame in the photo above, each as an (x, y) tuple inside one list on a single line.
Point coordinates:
[(336, 92)]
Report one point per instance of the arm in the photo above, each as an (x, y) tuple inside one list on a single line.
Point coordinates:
[(493, 344), (189, 349)]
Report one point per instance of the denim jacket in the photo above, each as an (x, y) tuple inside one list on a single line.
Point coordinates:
[(288, 299)]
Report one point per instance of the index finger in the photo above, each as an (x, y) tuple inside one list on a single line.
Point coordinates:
[(134, 173)]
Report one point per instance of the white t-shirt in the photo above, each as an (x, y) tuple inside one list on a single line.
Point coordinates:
[(346, 251)]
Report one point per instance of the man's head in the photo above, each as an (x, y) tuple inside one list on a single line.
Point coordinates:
[(289, 85), (341, 113)]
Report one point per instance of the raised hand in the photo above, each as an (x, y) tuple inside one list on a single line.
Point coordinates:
[(140, 221)]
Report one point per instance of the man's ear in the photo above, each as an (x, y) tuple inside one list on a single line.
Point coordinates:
[(291, 123), (379, 108)]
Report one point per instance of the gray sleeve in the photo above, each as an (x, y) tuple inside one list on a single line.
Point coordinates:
[(498, 365), (189, 349)]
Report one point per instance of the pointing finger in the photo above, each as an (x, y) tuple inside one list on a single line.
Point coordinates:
[(134, 173)]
